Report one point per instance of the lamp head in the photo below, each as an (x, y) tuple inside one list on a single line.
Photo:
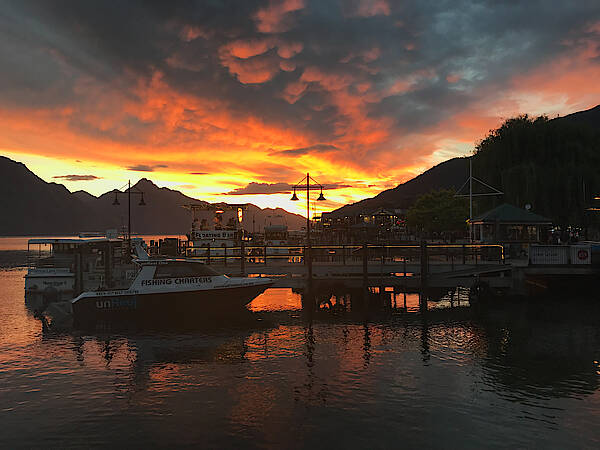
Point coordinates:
[(321, 196), (294, 197), (142, 202)]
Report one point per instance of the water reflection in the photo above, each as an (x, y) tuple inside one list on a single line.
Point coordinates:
[(302, 371), (542, 350)]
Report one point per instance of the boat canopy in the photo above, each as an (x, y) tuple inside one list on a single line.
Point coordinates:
[(71, 240)]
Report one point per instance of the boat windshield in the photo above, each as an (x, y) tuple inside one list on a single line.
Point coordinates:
[(181, 270)]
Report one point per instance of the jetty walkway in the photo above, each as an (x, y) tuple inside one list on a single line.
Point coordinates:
[(405, 267)]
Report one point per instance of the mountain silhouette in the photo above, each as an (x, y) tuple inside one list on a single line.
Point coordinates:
[(30, 206)]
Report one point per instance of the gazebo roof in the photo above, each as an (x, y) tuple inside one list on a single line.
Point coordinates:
[(507, 213), (383, 211)]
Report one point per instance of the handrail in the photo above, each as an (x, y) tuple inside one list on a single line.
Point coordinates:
[(294, 254)]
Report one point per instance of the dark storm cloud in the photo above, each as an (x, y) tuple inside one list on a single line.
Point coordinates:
[(145, 167), (318, 148), (417, 62), (77, 177), (262, 188)]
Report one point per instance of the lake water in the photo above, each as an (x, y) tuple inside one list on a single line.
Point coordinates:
[(518, 375)]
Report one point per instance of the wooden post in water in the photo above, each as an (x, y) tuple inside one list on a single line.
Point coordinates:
[(424, 265), (365, 256), (78, 273), (424, 276), (243, 258)]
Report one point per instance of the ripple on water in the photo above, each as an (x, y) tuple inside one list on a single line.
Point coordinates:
[(356, 378)]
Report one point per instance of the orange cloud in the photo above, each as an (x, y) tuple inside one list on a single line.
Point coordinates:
[(246, 48), (289, 49), (254, 70), (246, 58), (287, 66), (294, 90)]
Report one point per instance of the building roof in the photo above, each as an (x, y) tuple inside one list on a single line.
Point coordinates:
[(73, 240), (382, 211), (506, 213)]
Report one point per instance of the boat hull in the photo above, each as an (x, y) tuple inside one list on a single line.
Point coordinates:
[(166, 305)]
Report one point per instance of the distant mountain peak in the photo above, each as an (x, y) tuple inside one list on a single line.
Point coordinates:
[(145, 182)]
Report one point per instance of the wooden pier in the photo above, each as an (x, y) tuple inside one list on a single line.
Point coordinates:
[(402, 267)]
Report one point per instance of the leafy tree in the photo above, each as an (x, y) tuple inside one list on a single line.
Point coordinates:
[(438, 211), (553, 165)]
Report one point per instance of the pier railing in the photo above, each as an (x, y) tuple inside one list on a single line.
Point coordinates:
[(452, 254)]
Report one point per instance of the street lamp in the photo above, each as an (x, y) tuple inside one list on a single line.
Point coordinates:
[(301, 185), (141, 203)]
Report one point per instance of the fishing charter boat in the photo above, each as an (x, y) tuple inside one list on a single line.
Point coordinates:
[(168, 287)]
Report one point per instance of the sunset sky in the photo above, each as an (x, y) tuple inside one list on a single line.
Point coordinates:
[(236, 100)]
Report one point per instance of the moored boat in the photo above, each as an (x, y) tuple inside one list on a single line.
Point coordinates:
[(61, 268), (170, 287)]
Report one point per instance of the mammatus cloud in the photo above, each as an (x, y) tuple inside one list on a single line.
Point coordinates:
[(145, 167), (77, 177)]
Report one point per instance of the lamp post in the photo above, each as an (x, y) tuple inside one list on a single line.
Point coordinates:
[(116, 202), (300, 185)]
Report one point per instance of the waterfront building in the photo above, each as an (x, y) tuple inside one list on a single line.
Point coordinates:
[(514, 227), (379, 225)]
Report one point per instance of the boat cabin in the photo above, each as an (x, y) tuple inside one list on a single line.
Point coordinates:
[(65, 267)]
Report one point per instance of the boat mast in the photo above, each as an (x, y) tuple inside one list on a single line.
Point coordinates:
[(492, 191), (471, 199)]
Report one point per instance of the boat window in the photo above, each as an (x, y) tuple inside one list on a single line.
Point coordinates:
[(182, 270)]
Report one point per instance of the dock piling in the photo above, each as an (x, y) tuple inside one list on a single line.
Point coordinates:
[(243, 258)]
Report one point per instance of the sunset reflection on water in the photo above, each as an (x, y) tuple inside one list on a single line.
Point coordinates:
[(286, 376)]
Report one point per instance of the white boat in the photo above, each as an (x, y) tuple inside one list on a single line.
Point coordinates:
[(61, 268), (170, 287)]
